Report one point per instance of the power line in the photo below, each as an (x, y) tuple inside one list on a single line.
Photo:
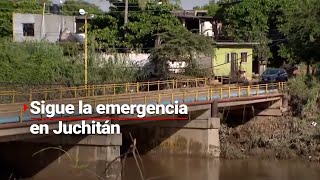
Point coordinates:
[(104, 13)]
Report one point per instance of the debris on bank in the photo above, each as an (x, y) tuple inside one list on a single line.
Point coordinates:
[(272, 138)]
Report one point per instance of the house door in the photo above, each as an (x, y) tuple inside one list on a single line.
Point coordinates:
[(234, 66)]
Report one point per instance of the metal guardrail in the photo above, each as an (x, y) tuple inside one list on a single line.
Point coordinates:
[(9, 97), (16, 113)]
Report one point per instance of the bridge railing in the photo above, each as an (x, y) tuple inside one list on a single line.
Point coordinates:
[(186, 96), (97, 90), (192, 95)]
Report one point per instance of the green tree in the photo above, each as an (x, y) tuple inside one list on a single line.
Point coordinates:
[(143, 27), (104, 32), (33, 63), (143, 3), (248, 21), (5, 18), (16, 6), (71, 7), (181, 45), (45, 63), (301, 26), (140, 33), (212, 8), (115, 70), (255, 21)]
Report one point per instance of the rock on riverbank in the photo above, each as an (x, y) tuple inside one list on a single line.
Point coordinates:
[(271, 137)]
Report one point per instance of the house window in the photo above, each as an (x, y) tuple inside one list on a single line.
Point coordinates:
[(244, 57), (28, 29), (227, 58), (79, 27)]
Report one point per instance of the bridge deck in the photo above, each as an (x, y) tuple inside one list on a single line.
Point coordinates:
[(13, 113)]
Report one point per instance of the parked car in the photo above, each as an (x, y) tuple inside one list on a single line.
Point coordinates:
[(271, 75)]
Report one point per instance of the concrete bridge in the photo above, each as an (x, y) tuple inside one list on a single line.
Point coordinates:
[(198, 136)]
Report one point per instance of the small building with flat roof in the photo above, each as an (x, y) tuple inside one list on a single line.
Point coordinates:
[(196, 21), (48, 27), (232, 59)]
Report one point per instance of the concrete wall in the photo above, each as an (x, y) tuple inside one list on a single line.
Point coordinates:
[(189, 141), (50, 29), (198, 137), (63, 156), (142, 60), (222, 68)]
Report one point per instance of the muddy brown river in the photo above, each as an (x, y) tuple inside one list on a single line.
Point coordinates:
[(183, 168), (178, 168)]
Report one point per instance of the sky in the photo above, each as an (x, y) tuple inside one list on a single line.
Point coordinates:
[(189, 4), (186, 4)]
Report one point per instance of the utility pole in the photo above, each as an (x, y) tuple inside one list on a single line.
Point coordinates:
[(86, 51), (126, 12), (42, 20), (126, 16)]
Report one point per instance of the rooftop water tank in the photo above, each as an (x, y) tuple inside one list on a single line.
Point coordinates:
[(55, 9), (206, 29)]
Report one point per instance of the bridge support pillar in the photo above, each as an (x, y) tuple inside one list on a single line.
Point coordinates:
[(213, 137), (285, 103), (70, 155), (213, 131), (198, 136), (96, 153), (99, 160)]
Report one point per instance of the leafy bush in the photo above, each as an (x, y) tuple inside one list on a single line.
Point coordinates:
[(31, 62), (113, 70), (37, 63)]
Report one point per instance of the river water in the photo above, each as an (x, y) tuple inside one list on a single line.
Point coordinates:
[(182, 168)]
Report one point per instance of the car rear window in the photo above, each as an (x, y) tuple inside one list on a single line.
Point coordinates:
[(271, 71)]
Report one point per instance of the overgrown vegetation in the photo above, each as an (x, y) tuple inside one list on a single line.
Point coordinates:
[(287, 30), (272, 138), (305, 97), (46, 63), (34, 63), (181, 46), (293, 136), (63, 63)]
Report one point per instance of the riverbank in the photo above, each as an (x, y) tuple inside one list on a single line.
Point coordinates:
[(271, 138)]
